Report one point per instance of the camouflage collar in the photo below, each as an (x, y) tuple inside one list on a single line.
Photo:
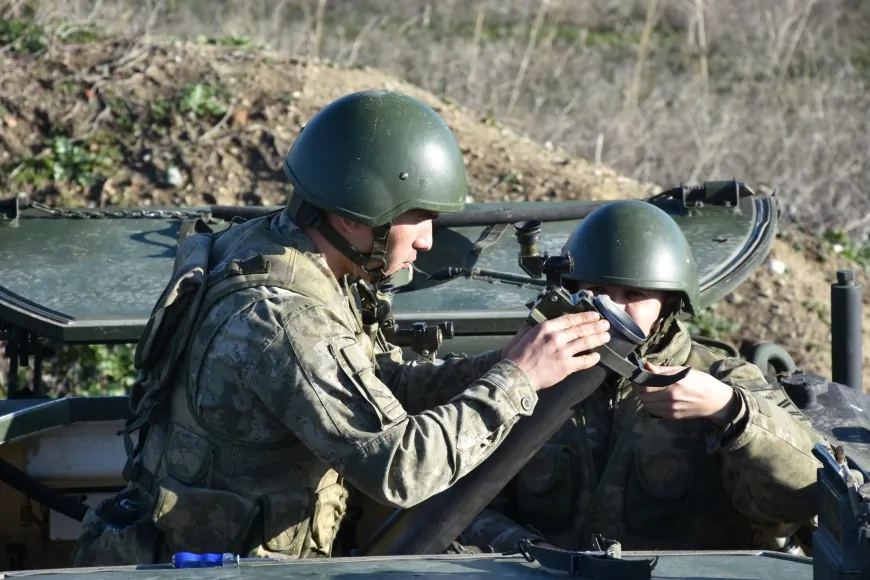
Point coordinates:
[(673, 347), (294, 237)]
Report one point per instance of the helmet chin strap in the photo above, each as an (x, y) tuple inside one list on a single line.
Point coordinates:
[(361, 259), (306, 215)]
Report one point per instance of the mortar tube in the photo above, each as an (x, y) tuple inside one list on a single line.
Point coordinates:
[(846, 333), (430, 526)]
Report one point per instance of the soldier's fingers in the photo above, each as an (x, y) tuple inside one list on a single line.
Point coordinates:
[(591, 328), (573, 333), (583, 362), (576, 318), (587, 343), (661, 410), (661, 370)]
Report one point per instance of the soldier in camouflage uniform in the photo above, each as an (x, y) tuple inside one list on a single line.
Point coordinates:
[(265, 385), (719, 460)]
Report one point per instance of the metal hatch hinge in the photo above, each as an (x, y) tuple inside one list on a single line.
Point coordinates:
[(709, 193)]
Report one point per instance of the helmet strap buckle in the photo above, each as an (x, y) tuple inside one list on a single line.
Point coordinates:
[(361, 259)]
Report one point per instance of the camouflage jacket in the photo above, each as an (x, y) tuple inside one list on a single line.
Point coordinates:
[(285, 394), (660, 484)]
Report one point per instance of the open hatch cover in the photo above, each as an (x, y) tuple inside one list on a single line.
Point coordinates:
[(96, 280)]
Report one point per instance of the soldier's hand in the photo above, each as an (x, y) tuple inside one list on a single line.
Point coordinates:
[(525, 328), (698, 395), (549, 352)]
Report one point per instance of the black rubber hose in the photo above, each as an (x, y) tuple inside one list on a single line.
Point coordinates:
[(41, 492), (431, 526), (769, 353)]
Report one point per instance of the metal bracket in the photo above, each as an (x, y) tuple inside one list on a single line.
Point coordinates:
[(423, 338), (9, 211), (20, 346), (841, 543), (710, 193)]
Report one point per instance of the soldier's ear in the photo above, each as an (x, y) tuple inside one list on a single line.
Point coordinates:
[(348, 228)]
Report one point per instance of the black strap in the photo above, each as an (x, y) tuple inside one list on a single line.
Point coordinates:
[(632, 369), (381, 235), (488, 238), (133, 470), (600, 565), (192, 226)]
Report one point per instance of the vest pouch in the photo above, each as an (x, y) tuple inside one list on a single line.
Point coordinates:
[(202, 520), (188, 456), (329, 509), (166, 333), (287, 522), (547, 489), (659, 495)]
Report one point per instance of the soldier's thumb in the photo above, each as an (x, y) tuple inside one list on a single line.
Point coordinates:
[(660, 370)]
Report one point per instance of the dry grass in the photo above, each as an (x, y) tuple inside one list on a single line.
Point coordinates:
[(769, 91)]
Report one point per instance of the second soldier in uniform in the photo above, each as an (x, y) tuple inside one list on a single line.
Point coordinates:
[(719, 460)]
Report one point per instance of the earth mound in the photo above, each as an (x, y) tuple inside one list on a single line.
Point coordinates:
[(151, 121)]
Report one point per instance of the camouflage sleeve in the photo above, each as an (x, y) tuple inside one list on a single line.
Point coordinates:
[(316, 379), (492, 529), (768, 466), (420, 385)]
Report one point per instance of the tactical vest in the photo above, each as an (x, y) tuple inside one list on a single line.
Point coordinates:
[(205, 491), (658, 487)]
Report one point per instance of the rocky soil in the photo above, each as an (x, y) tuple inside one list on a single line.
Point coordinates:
[(121, 122)]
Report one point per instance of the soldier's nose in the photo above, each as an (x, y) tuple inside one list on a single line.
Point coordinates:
[(423, 243)]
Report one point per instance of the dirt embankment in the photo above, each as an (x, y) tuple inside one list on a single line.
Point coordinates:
[(154, 122)]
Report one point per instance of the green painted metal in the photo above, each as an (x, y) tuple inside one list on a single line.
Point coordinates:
[(96, 280), (672, 565), (21, 418)]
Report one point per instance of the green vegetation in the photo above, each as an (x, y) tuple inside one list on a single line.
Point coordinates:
[(83, 371), (67, 161), (774, 93), (203, 100), (29, 38), (23, 37), (837, 241), (706, 323)]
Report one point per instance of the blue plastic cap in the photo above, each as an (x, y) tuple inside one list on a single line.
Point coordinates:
[(192, 560)]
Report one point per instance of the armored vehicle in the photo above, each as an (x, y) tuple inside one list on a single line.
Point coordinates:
[(74, 276)]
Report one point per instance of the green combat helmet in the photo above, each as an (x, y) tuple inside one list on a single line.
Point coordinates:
[(369, 157), (634, 243)]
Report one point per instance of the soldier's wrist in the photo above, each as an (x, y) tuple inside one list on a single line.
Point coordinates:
[(727, 433), (728, 412)]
